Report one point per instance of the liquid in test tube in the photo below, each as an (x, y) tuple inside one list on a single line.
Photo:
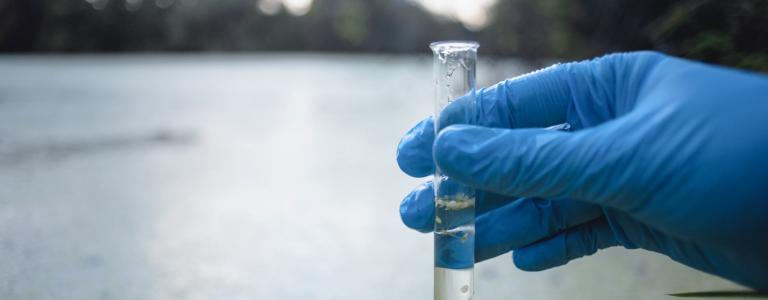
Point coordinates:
[(454, 73)]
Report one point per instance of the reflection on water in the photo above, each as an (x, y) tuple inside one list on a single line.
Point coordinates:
[(239, 177), (56, 150)]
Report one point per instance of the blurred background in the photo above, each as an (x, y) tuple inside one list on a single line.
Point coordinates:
[(725, 32), (244, 149)]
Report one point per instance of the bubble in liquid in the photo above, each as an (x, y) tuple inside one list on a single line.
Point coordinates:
[(465, 288), (442, 57), (450, 71), (463, 64)]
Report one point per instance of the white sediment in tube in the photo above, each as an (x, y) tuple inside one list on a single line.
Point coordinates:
[(460, 202)]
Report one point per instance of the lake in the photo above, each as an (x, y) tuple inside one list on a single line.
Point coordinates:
[(265, 176)]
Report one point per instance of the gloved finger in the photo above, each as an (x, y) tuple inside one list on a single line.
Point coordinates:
[(584, 94), (537, 99), (633, 234), (527, 220), (414, 153), (587, 92), (586, 164), (558, 250), (417, 210)]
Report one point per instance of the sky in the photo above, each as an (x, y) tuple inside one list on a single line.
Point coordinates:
[(472, 13)]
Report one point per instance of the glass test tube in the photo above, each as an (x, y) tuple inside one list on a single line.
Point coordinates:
[(454, 73)]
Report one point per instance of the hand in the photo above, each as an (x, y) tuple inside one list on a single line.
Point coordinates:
[(668, 155)]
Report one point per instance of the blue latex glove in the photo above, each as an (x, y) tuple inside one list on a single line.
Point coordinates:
[(669, 155)]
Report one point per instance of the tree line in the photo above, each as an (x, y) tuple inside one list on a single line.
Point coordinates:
[(725, 32)]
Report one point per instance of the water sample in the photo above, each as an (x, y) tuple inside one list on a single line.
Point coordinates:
[(454, 73)]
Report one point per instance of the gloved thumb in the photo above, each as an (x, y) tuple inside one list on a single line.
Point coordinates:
[(587, 164)]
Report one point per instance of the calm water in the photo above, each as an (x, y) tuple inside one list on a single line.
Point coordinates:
[(240, 177)]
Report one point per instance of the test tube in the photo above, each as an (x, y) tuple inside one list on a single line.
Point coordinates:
[(454, 73)]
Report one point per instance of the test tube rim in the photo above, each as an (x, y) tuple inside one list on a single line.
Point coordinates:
[(459, 45)]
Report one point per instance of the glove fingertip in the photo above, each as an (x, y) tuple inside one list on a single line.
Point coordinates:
[(417, 209), (414, 165), (414, 152), (541, 256)]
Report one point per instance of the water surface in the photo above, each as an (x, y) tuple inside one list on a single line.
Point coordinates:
[(241, 177)]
